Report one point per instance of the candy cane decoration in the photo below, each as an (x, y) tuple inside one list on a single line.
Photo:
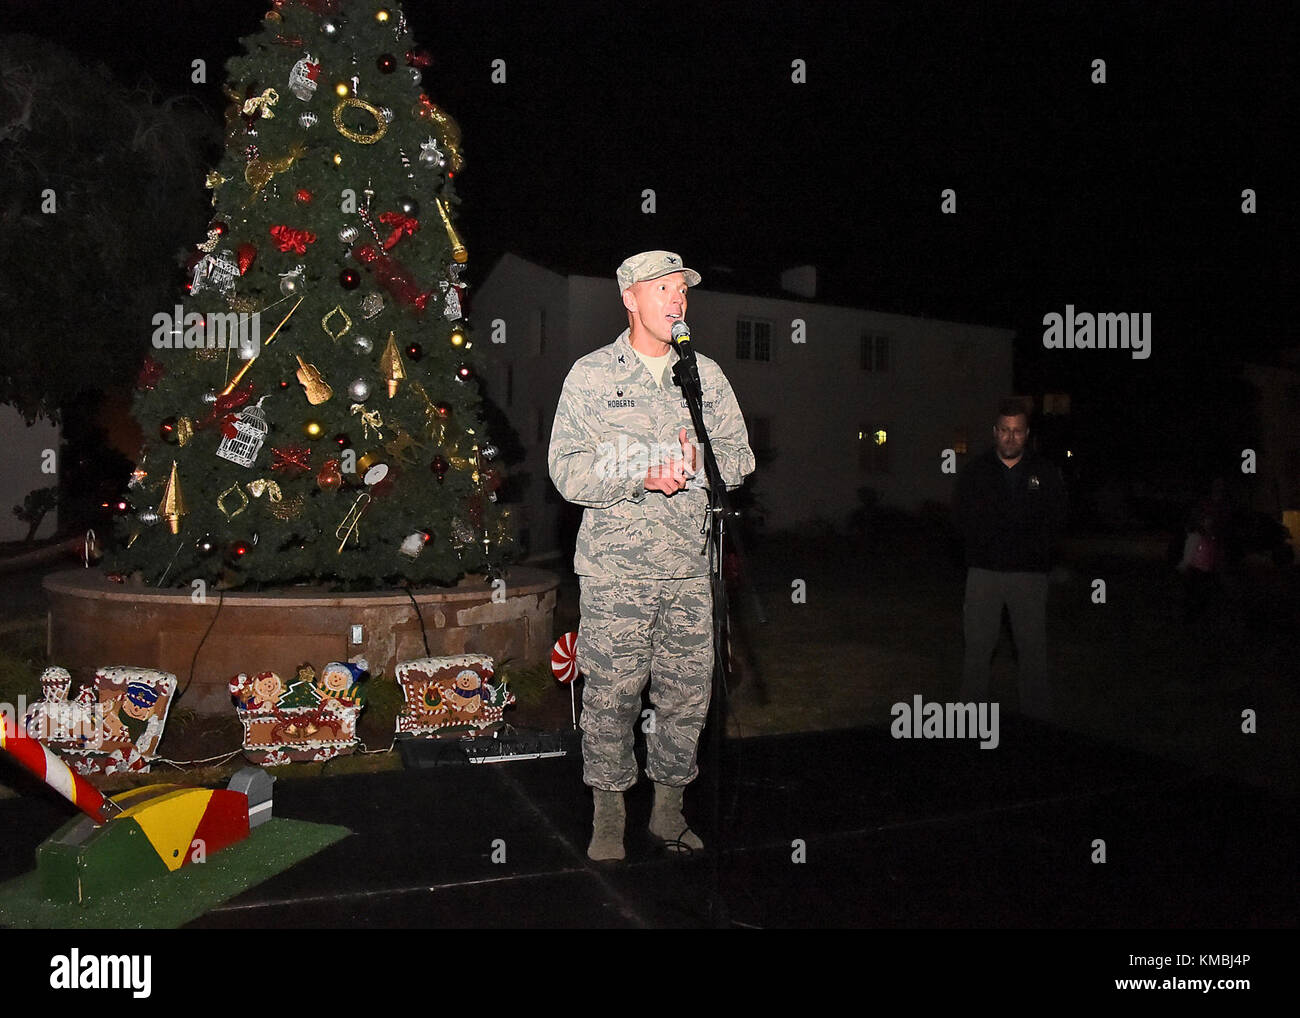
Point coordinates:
[(47, 766), (564, 666)]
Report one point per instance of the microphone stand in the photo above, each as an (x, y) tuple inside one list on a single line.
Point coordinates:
[(687, 377)]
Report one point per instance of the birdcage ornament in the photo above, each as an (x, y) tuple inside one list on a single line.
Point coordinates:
[(250, 429)]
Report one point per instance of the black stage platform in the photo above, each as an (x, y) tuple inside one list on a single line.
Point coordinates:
[(895, 833)]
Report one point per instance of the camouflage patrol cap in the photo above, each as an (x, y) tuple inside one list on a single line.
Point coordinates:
[(652, 265)]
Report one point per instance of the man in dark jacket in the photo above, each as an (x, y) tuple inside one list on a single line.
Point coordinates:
[(1010, 508)]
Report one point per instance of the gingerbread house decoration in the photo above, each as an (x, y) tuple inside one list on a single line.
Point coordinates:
[(112, 726), (450, 696), (311, 718)]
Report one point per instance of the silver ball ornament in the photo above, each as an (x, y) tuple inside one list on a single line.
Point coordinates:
[(359, 389), (386, 113), (363, 344), (349, 234), (409, 206), (291, 285)]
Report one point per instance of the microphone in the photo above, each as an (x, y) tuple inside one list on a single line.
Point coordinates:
[(681, 337)]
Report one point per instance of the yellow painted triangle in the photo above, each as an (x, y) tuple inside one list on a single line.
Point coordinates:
[(169, 822)]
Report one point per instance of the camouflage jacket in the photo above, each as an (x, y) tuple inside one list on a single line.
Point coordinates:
[(612, 424)]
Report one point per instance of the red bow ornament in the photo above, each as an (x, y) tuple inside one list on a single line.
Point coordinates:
[(288, 239)]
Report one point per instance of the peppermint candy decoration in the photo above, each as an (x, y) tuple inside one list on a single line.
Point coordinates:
[(564, 663)]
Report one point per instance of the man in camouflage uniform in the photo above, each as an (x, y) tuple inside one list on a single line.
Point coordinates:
[(619, 447)]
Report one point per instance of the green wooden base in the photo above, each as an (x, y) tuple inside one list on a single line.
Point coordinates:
[(82, 863), (171, 900)]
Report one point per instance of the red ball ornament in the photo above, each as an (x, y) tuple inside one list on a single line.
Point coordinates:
[(284, 384), (220, 227), (386, 63), (442, 410), (464, 373), (414, 351), (349, 280), (303, 196), (167, 431), (239, 549)]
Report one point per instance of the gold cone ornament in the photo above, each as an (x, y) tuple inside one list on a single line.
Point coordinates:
[(391, 366), (310, 377), (172, 505)]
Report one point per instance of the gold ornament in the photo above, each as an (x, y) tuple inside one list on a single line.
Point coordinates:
[(259, 171), (348, 528), (266, 487), (210, 245), (401, 445), (317, 389), (381, 125), (458, 252), (184, 430), (329, 330), (313, 429), (382, 15), (369, 419), (289, 510), (230, 386), (236, 491), (262, 102), (171, 506), (341, 90), (243, 305), (391, 366), (213, 180)]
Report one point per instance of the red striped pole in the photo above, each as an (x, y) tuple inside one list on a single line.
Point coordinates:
[(47, 766)]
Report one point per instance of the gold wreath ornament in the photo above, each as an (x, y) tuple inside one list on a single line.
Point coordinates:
[(381, 125)]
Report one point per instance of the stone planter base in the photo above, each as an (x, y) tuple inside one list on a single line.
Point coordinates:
[(94, 622)]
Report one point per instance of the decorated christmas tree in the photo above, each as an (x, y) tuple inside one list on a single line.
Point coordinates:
[(310, 405)]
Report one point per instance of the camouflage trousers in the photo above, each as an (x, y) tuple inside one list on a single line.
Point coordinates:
[(633, 631)]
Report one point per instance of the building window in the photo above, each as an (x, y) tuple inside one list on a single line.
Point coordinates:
[(873, 450), (873, 352), (753, 340)]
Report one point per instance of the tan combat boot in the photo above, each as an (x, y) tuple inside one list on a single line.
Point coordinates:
[(607, 824), (667, 823)]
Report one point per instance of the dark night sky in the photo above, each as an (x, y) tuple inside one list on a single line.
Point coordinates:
[(1122, 197)]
